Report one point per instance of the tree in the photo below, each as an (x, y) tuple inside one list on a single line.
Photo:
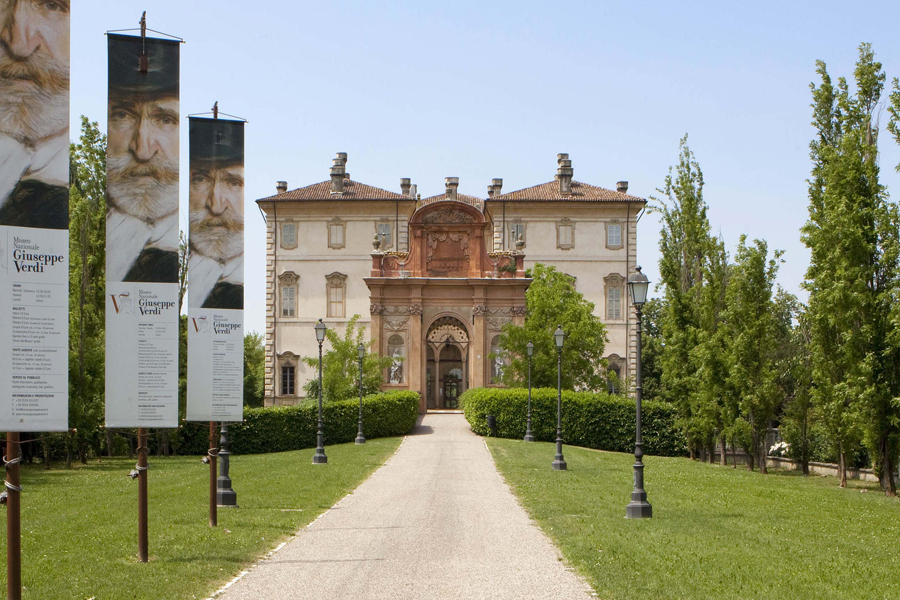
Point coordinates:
[(652, 348), (751, 328), (793, 365), (340, 365), (709, 357), (853, 276), (184, 255), (684, 246), (87, 288), (254, 369), (551, 301)]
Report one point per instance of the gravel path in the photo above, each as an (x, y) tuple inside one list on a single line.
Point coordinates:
[(436, 521)]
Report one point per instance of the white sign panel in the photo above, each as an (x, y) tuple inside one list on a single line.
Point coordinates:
[(215, 365), (141, 355), (34, 329)]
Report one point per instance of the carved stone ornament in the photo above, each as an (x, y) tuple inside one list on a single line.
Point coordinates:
[(449, 216), (439, 334), (396, 323), (518, 310), (497, 323), (376, 309), (479, 309), (415, 309)]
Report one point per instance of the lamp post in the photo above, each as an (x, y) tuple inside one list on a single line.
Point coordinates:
[(559, 463), (361, 351), (529, 349), (638, 508), (319, 457)]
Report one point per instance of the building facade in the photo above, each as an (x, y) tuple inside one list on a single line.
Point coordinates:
[(433, 280)]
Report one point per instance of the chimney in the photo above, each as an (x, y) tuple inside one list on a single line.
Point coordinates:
[(413, 190), (451, 183), (490, 190), (622, 186), (497, 184), (281, 186), (337, 173), (564, 174), (405, 184)]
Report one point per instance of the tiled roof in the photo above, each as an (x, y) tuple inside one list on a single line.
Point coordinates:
[(470, 200), (549, 192), (353, 190)]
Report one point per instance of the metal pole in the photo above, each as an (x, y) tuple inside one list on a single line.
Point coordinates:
[(142, 450), (528, 435), (13, 519), (225, 496), (559, 463), (638, 508), (213, 514), (319, 457), (360, 438)]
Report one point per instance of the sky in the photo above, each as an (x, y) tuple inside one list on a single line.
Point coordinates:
[(481, 89)]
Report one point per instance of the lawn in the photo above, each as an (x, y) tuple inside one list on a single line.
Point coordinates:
[(79, 527), (716, 532)]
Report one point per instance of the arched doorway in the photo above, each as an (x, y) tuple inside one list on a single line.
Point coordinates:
[(447, 370)]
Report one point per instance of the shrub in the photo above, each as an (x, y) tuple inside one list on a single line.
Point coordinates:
[(283, 428), (593, 420)]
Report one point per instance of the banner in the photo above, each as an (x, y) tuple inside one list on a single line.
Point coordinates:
[(216, 271), (142, 233), (34, 218)]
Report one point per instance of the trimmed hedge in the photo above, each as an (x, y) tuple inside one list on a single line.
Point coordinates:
[(592, 420), (283, 428)]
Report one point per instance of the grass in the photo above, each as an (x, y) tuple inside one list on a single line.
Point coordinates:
[(79, 527), (716, 532)]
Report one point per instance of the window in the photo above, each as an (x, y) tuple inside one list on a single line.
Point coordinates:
[(384, 234), (336, 233), (287, 380), (614, 235), (614, 303), (516, 231), (336, 286), (614, 374), (287, 282), (614, 284), (565, 234), (289, 301), (288, 235)]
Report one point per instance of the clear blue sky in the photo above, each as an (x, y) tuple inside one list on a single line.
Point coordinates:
[(482, 89)]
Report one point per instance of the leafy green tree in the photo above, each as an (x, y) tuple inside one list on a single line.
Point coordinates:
[(793, 365), (852, 277), (87, 286), (652, 348), (709, 357), (684, 246), (752, 329), (254, 369), (340, 365), (551, 301)]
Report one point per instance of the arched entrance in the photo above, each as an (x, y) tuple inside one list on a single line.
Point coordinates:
[(447, 370)]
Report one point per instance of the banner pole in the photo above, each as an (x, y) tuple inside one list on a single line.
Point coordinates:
[(142, 494), (13, 519), (213, 451)]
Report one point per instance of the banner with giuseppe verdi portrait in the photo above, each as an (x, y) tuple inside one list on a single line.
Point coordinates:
[(34, 215), (216, 271), (142, 233)]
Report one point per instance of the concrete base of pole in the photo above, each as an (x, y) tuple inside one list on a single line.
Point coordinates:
[(529, 437), (559, 464), (319, 458), (638, 508)]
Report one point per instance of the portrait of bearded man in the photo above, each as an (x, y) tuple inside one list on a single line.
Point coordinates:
[(216, 198), (34, 113), (142, 160)]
